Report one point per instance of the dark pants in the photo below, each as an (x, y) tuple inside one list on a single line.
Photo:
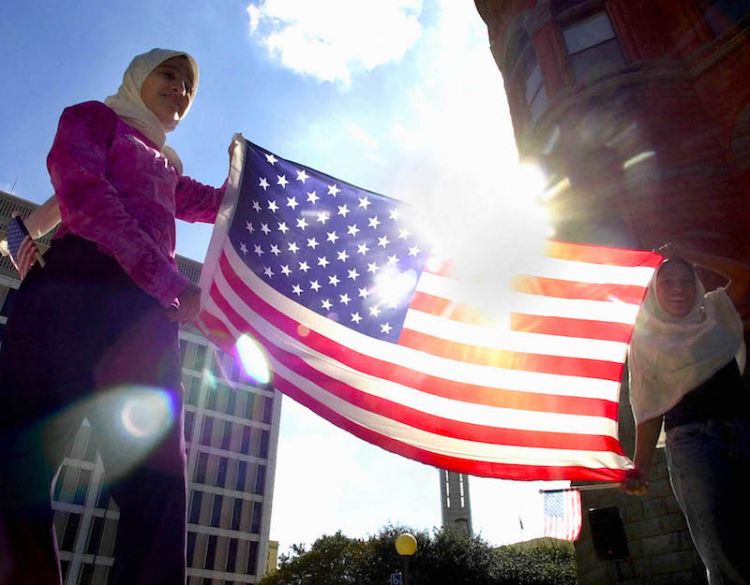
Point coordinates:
[(84, 341)]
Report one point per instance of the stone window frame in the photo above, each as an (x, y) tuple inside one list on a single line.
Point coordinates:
[(609, 48)]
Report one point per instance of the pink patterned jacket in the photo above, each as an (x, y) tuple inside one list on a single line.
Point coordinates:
[(118, 190)]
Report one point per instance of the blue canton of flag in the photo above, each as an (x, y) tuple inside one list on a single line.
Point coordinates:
[(562, 514), (346, 253)]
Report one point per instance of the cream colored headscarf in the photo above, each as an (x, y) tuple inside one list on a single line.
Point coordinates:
[(127, 102), (670, 356)]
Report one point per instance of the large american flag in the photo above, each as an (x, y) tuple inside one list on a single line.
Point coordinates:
[(361, 326)]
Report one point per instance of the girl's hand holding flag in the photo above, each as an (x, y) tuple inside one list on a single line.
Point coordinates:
[(22, 250)]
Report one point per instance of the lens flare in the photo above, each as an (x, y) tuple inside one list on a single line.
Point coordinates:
[(555, 190), (129, 423), (146, 413), (254, 359), (392, 286), (638, 158), (209, 377)]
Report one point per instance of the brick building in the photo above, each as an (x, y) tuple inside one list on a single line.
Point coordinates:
[(639, 112)]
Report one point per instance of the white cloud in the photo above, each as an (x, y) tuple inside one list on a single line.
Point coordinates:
[(331, 40)]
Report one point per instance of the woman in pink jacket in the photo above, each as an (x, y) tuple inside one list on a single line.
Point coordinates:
[(95, 332)]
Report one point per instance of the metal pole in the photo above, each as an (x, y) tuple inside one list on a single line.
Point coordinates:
[(581, 488)]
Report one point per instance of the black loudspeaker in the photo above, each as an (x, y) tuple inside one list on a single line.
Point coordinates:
[(608, 534)]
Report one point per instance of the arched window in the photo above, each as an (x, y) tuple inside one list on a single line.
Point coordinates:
[(592, 47)]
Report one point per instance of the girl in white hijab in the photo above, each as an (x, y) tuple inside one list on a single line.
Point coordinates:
[(129, 105), (685, 361)]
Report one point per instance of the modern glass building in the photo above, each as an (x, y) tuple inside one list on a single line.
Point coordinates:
[(231, 431)]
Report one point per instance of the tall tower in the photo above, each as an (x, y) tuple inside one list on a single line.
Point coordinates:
[(455, 502), (639, 113)]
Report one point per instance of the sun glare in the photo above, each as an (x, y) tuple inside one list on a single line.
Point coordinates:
[(492, 233), (254, 359), (392, 286), (529, 181)]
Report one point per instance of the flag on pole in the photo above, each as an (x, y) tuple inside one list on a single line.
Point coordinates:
[(362, 328), (562, 514)]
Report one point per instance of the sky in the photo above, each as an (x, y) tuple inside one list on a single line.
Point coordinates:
[(401, 97)]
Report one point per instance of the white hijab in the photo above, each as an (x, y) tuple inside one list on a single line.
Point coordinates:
[(670, 356), (127, 102)]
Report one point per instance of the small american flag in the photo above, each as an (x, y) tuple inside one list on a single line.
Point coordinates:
[(562, 514), (362, 328), (23, 250)]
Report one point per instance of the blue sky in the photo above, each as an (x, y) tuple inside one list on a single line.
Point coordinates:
[(397, 96)]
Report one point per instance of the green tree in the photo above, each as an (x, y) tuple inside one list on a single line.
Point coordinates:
[(332, 560), (453, 557), (447, 557), (547, 562), (384, 559)]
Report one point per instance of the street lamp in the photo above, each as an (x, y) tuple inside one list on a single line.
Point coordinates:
[(406, 546)]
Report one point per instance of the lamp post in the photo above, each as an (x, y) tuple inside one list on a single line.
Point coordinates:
[(406, 546)]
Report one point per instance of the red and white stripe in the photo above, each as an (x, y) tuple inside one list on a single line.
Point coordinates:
[(536, 401), (566, 526), (28, 253)]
